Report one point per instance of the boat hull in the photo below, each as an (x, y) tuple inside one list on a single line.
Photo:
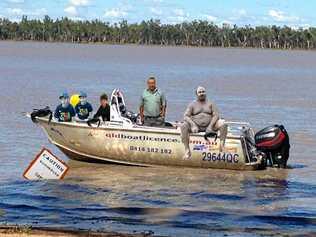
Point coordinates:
[(144, 146)]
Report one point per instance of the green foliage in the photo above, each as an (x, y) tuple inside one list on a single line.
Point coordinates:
[(152, 32)]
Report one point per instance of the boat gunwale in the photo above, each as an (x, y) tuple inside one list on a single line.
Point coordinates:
[(132, 129)]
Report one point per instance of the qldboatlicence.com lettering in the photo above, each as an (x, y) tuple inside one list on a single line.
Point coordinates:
[(155, 139), (141, 137)]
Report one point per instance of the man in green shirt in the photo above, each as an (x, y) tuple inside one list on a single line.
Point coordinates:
[(152, 105)]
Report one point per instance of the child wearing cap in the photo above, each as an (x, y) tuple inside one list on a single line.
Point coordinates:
[(64, 111), (83, 108)]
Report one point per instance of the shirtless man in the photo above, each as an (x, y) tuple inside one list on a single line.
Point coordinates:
[(201, 116)]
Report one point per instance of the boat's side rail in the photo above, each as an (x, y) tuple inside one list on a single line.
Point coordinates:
[(238, 123), (136, 128)]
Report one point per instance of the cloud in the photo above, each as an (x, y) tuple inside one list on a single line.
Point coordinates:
[(38, 12), (115, 13), (240, 15), (71, 10), (20, 12), (179, 12), (76, 18), (210, 18), (79, 3), (15, 14), (15, 1), (280, 16), (156, 11), (15, 11), (178, 16), (240, 12), (74, 5)]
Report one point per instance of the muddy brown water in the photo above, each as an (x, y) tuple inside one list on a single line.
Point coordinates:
[(263, 87)]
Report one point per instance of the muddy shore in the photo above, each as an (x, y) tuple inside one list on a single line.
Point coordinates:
[(21, 231)]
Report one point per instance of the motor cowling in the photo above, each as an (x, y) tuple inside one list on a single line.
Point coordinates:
[(274, 142)]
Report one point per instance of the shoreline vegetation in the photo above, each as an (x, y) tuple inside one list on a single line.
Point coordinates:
[(27, 231), (153, 32)]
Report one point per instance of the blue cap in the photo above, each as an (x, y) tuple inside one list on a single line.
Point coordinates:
[(82, 94), (64, 95)]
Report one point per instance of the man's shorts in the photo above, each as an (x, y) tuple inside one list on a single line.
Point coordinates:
[(154, 121)]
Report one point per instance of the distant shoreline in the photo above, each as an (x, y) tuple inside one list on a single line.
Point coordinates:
[(155, 45), (196, 33), (21, 231)]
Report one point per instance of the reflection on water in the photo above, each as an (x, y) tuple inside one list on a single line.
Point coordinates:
[(164, 200), (263, 87)]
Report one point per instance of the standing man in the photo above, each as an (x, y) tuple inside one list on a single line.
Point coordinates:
[(153, 104), (201, 116)]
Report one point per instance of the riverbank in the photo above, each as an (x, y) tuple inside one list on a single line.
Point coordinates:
[(21, 231), (153, 32), (158, 45)]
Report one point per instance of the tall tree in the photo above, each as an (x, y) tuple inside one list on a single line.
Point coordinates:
[(195, 33)]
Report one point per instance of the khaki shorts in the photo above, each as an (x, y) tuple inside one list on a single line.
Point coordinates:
[(154, 122), (216, 127)]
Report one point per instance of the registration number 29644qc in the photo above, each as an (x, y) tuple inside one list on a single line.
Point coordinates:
[(220, 157)]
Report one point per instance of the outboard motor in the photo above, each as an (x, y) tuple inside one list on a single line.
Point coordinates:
[(274, 142)]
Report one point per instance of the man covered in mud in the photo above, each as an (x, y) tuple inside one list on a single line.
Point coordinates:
[(201, 116), (152, 107)]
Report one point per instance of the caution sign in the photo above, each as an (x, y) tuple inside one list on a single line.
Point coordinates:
[(46, 166)]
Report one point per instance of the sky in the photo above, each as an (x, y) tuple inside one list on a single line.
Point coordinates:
[(293, 13)]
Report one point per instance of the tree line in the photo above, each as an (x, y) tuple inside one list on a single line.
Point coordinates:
[(153, 32)]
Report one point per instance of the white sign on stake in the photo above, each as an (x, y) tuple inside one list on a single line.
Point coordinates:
[(46, 166)]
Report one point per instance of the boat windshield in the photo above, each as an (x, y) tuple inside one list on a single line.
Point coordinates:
[(119, 110)]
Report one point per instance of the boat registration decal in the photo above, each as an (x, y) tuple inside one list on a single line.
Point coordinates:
[(150, 150), (200, 147), (220, 157)]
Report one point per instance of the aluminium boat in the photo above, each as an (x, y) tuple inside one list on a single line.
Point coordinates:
[(123, 140)]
